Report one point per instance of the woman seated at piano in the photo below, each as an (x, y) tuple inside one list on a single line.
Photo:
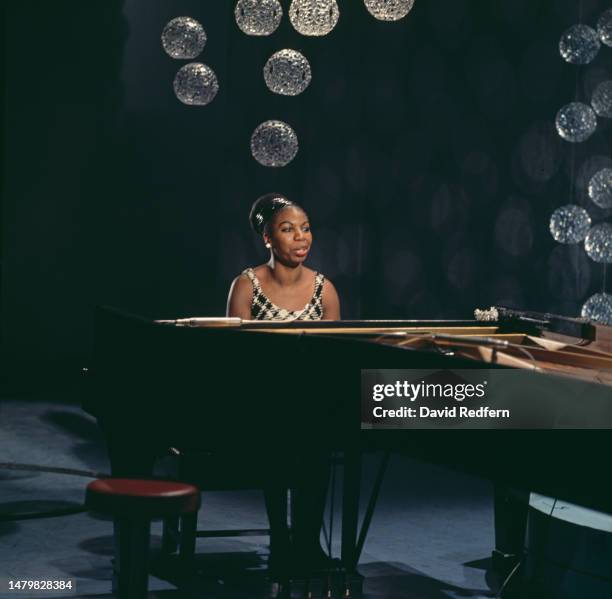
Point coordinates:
[(283, 289)]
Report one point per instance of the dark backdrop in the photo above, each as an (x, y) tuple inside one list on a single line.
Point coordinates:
[(428, 162)]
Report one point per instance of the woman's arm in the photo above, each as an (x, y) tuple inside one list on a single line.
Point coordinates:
[(331, 302), (240, 298)]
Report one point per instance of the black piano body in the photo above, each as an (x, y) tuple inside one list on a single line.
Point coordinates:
[(268, 389)]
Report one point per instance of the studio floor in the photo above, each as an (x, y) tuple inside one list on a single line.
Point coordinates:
[(431, 535)]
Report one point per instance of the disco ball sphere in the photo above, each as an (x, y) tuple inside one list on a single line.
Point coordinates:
[(576, 122), (579, 44), (570, 224), (598, 243), (258, 17), (601, 101), (598, 308), (274, 143), (389, 10), (604, 27), (195, 84), (600, 188), (183, 38), (287, 72), (314, 17)]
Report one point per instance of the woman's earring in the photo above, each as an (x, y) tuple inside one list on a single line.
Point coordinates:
[(268, 245)]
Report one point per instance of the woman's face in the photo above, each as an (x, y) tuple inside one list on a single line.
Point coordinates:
[(290, 236)]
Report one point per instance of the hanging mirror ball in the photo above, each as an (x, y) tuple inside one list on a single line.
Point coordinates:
[(601, 101), (389, 10), (258, 17), (576, 122), (274, 143), (598, 308), (287, 72), (314, 17), (600, 188), (579, 44), (183, 38), (604, 27), (570, 224), (598, 243), (195, 84)]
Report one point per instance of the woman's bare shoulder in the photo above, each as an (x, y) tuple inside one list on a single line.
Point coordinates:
[(241, 285), (242, 280), (240, 297), (331, 301), (262, 272), (328, 285)]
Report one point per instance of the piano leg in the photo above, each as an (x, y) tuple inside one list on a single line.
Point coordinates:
[(276, 507), (350, 507), (309, 498), (511, 509)]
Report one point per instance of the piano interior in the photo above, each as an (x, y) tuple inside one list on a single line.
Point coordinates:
[(543, 350)]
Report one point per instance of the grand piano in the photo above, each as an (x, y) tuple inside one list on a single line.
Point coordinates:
[(255, 388)]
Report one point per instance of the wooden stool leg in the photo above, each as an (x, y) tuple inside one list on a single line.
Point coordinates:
[(189, 524), (170, 532), (131, 575)]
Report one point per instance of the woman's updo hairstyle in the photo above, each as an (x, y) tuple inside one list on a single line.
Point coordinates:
[(264, 209)]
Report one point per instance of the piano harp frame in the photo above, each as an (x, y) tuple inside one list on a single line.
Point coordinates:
[(552, 352)]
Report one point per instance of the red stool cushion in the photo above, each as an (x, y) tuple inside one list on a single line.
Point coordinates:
[(141, 498)]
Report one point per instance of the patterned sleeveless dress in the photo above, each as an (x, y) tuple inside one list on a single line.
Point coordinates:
[(263, 309)]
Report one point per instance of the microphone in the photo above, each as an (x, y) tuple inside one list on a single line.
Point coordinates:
[(203, 321)]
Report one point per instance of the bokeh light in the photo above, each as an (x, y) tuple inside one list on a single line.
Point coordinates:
[(579, 44), (514, 231), (195, 84), (604, 27), (569, 224), (600, 188), (601, 100), (389, 10), (287, 72), (576, 122), (598, 308), (274, 143), (314, 17), (258, 17), (183, 38), (598, 243)]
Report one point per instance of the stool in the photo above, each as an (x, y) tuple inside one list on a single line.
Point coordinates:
[(133, 504)]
